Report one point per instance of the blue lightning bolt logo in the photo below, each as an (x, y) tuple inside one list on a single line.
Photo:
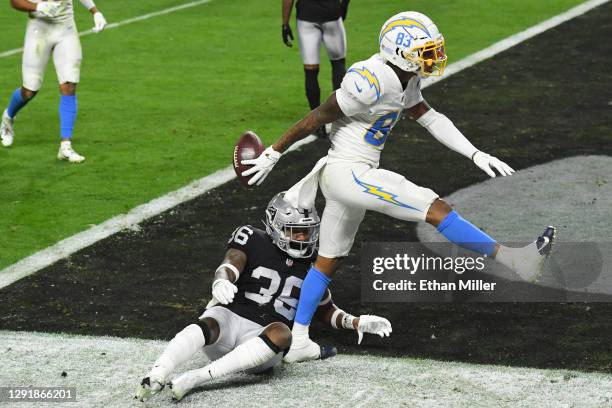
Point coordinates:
[(381, 194), (368, 76)]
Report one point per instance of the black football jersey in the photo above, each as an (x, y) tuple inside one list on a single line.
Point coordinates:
[(318, 11), (269, 286)]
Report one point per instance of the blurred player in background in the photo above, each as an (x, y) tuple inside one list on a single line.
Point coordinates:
[(363, 111), (255, 293), (51, 30), (318, 21)]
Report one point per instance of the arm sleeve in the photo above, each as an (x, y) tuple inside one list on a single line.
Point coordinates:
[(88, 4), (443, 129)]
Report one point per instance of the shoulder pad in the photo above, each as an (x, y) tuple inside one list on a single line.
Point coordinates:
[(363, 83)]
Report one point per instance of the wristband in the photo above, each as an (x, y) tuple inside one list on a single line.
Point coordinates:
[(88, 4), (347, 321), (335, 317), (230, 267)]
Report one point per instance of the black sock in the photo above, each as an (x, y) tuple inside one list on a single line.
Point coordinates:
[(313, 92), (338, 71)]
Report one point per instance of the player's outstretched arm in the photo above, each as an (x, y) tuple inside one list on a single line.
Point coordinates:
[(445, 131), (329, 313), (262, 165), (223, 288)]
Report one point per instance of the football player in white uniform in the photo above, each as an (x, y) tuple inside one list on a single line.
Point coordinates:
[(51, 30), (255, 294), (369, 102)]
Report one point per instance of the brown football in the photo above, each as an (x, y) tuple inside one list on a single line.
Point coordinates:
[(249, 146)]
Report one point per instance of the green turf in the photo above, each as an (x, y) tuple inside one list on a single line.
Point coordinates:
[(162, 101)]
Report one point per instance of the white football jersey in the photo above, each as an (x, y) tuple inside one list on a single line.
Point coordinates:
[(66, 15), (372, 98)]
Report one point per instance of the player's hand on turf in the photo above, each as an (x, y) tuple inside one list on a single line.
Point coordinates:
[(374, 325), (287, 35), (99, 22), (224, 290), (50, 8), (262, 166), (490, 163)]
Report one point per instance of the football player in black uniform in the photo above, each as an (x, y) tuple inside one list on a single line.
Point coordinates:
[(318, 21), (246, 326)]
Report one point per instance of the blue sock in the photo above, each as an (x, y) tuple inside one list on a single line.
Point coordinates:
[(312, 291), (466, 235), (17, 102), (67, 114)]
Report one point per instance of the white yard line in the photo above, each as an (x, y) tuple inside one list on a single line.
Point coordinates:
[(70, 245), (125, 22)]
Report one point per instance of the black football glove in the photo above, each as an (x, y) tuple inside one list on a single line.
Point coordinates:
[(287, 35), (344, 9)]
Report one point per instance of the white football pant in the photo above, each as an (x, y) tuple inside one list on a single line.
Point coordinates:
[(41, 40), (351, 188), (311, 35)]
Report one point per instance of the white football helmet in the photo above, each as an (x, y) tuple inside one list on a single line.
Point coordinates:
[(294, 230), (412, 42)]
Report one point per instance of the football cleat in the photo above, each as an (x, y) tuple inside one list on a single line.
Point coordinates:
[(309, 351), (181, 385), (148, 387), (6, 130), (545, 241), (66, 152), (530, 263), (328, 352)]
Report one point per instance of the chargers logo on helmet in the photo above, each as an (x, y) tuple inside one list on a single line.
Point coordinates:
[(412, 42)]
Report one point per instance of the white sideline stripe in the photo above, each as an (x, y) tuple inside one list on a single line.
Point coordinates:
[(515, 39), (70, 245), (124, 22)]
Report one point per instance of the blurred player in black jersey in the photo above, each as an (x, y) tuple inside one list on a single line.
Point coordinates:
[(246, 326), (318, 21)]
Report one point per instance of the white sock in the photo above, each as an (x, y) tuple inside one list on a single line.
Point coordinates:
[(180, 349), (525, 261), (299, 334), (251, 354)]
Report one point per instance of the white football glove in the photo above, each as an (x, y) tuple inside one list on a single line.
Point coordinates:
[(374, 325), (51, 8), (224, 290), (262, 165), (99, 22), (487, 162)]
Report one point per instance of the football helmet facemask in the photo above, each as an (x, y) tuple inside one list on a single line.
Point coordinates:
[(412, 42), (294, 230)]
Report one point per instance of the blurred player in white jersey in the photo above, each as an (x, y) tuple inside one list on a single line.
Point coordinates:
[(318, 22), (368, 104), (51, 30)]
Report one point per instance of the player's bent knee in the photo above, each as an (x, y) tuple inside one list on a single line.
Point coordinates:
[(328, 266), (210, 328), (68, 88), (438, 210), (278, 334), (27, 94)]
